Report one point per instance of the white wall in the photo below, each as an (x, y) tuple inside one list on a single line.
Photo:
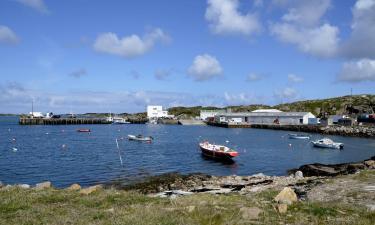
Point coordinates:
[(156, 111)]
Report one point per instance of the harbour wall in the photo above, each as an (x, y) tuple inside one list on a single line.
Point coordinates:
[(61, 121)]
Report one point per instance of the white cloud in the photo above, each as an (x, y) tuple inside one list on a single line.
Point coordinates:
[(357, 71), (7, 35), (241, 99), (361, 43), (162, 74), (35, 4), (319, 41), (254, 77), (302, 26), (306, 12), (78, 73), (287, 94), (224, 18), (129, 46), (205, 67), (294, 78)]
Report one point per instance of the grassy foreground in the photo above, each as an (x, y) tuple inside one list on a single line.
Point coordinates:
[(109, 206)]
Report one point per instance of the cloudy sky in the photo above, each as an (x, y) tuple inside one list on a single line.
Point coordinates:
[(120, 55)]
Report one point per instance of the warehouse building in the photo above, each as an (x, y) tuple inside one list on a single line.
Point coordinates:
[(267, 117)]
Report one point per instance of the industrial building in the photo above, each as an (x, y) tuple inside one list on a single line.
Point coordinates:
[(267, 117), (156, 111)]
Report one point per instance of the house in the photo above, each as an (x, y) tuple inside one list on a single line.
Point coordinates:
[(156, 111)]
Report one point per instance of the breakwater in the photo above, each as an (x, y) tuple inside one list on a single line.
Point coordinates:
[(352, 131), (62, 121)]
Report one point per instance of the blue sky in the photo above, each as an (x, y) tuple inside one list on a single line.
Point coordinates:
[(119, 56)]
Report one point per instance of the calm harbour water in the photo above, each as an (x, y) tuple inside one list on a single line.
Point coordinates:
[(90, 158)]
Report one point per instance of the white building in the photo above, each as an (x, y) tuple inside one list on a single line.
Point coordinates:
[(204, 114), (156, 111), (270, 117), (36, 114)]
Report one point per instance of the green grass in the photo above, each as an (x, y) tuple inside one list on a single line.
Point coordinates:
[(109, 206)]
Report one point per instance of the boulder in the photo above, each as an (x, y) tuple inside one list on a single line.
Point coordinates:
[(298, 174), (43, 185), (282, 208), (250, 213), (89, 190), (286, 196), (23, 186), (74, 187), (370, 164)]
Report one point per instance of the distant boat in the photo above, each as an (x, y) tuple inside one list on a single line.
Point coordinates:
[(119, 120), (217, 151), (327, 143), (84, 130), (140, 137), (298, 136)]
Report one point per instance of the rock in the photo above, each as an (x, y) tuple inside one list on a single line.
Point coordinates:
[(298, 174), (286, 196), (282, 208), (1, 184), (111, 210), (261, 175), (43, 185), (370, 164), (190, 208), (23, 186), (89, 190), (371, 207), (74, 187), (250, 213)]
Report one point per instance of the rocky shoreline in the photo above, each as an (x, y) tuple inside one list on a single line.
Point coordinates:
[(178, 184)]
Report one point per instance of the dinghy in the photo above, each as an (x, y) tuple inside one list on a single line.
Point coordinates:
[(84, 130), (217, 151), (298, 136), (140, 137)]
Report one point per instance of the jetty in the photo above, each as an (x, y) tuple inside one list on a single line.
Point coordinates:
[(62, 121)]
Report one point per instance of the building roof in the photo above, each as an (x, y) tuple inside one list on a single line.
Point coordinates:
[(266, 110)]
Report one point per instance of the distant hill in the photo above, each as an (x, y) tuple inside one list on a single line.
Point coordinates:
[(355, 104)]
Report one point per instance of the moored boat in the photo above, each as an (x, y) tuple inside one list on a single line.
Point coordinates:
[(217, 151), (84, 130), (327, 143), (140, 138), (298, 136)]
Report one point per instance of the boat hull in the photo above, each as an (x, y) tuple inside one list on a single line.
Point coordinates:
[(338, 146), (218, 154), (135, 138)]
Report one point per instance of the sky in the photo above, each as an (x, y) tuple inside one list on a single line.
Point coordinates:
[(122, 55)]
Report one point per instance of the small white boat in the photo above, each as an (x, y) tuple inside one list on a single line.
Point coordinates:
[(298, 136), (327, 143), (119, 120), (139, 138)]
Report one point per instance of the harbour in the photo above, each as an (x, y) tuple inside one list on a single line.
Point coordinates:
[(62, 121)]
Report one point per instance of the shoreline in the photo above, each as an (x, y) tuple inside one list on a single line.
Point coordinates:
[(349, 131)]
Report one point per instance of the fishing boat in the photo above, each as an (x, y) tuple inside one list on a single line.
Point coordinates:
[(84, 130), (327, 143), (119, 120), (217, 151), (140, 137), (298, 136)]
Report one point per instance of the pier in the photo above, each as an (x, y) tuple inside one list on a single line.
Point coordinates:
[(61, 121)]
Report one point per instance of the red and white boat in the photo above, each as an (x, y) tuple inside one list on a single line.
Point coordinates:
[(217, 151)]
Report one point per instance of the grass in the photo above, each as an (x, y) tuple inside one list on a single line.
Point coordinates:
[(109, 206)]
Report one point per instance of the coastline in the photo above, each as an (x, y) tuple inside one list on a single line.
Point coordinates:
[(255, 199)]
